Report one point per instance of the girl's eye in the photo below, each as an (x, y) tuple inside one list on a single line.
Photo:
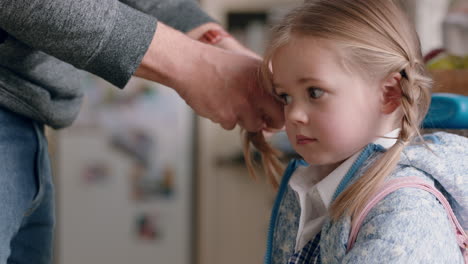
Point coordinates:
[(315, 93), (284, 98)]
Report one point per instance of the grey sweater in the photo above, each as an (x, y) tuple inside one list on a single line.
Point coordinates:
[(45, 43)]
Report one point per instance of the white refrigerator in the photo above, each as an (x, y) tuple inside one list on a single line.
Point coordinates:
[(124, 178)]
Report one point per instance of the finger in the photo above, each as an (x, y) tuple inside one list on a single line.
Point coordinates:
[(273, 130), (228, 126), (267, 134), (273, 114), (251, 119), (229, 123)]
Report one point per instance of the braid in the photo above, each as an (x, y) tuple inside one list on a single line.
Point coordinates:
[(415, 89), (408, 128)]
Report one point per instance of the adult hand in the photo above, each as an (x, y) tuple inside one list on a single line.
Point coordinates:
[(218, 84), (226, 90)]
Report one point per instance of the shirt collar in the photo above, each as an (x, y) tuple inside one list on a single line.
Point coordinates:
[(389, 139)]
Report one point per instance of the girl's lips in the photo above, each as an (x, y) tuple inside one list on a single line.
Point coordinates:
[(302, 140)]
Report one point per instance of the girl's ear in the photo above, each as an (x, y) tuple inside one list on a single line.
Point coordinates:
[(391, 93)]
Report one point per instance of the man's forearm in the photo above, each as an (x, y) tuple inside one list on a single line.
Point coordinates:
[(170, 58)]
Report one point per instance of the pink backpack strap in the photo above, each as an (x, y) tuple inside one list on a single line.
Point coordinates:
[(415, 182)]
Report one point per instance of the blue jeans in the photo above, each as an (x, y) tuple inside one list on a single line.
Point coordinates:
[(26, 192)]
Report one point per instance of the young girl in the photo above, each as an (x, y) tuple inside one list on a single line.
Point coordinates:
[(351, 77)]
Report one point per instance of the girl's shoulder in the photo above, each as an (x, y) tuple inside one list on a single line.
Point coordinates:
[(443, 161)]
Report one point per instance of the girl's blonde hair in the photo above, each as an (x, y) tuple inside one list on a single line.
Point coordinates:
[(376, 38)]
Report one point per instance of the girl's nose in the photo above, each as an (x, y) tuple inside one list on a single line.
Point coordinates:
[(297, 114)]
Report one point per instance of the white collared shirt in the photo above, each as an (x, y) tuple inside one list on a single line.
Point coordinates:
[(315, 195)]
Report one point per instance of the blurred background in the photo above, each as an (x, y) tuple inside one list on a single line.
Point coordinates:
[(141, 179)]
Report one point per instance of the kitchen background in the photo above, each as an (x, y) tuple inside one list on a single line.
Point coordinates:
[(141, 179)]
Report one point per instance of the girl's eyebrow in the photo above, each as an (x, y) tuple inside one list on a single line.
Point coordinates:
[(308, 79), (299, 81)]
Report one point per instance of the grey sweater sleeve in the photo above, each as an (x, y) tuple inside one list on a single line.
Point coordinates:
[(182, 15), (105, 37)]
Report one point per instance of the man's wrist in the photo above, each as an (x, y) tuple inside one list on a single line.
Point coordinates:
[(164, 57)]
